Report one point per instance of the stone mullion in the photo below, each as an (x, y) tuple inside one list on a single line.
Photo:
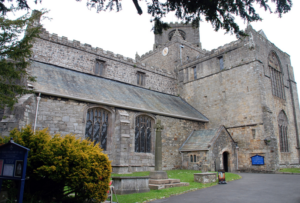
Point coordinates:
[(287, 142), (282, 87), (280, 138), (272, 80), (277, 84)]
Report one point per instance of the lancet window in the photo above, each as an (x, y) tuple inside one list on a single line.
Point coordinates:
[(143, 134), (97, 126), (276, 76), (99, 68), (283, 129)]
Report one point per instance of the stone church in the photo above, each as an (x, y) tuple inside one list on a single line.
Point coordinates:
[(219, 108)]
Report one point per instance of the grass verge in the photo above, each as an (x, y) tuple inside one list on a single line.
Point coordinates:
[(183, 175), (290, 170)]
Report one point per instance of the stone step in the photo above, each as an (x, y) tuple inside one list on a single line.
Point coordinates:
[(163, 181), (159, 187)]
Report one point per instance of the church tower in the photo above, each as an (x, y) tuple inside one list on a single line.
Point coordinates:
[(187, 32)]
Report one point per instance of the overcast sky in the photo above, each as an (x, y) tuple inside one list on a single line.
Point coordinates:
[(126, 32)]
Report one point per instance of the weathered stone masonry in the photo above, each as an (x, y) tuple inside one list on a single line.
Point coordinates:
[(232, 85)]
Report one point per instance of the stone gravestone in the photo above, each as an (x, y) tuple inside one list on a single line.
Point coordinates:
[(158, 173)]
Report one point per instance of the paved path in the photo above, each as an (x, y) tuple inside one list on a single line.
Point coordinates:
[(252, 188)]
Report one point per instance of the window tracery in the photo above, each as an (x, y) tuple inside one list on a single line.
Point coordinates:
[(276, 76), (181, 32), (143, 134), (282, 125), (97, 126)]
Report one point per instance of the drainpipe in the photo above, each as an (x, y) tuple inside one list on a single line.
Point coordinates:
[(37, 109), (237, 157), (294, 112), (181, 159)]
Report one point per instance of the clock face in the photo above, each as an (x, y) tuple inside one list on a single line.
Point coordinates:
[(165, 51)]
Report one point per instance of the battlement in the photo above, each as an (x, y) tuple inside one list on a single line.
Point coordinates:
[(216, 52), (104, 53), (263, 38), (159, 48)]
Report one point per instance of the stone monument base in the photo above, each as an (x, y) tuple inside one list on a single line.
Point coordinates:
[(158, 175), (205, 177), (130, 184), (159, 180), (158, 184)]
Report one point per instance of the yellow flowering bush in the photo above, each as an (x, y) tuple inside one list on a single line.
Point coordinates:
[(60, 166)]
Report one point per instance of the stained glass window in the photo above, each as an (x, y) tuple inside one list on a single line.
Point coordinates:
[(282, 125), (96, 126), (143, 134), (276, 76)]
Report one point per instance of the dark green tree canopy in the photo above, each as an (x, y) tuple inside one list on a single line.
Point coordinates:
[(220, 13), (14, 53)]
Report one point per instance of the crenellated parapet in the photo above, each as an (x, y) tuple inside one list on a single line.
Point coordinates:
[(216, 52), (103, 53), (159, 48)]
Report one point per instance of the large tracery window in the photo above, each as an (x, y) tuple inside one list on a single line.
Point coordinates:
[(143, 134), (282, 125), (97, 126), (276, 76)]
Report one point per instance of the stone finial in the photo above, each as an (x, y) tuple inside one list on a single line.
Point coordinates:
[(137, 57), (158, 126), (177, 35)]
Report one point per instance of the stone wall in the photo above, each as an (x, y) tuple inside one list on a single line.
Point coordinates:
[(175, 132), (21, 115), (192, 35), (275, 104), (60, 51), (67, 116), (172, 59), (240, 97), (221, 145)]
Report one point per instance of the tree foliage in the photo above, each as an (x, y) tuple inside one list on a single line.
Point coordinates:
[(220, 13), (14, 54), (56, 163)]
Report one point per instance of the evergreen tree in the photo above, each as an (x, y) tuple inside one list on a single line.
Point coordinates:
[(15, 51)]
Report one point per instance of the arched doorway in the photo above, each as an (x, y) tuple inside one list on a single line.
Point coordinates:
[(225, 161)]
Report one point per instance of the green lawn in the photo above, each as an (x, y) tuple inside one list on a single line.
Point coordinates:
[(183, 175), (290, 170)]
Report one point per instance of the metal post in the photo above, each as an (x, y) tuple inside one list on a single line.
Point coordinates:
[(21, 191)]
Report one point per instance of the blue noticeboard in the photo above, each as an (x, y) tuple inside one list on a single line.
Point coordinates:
[(13, 163), (258, 160)]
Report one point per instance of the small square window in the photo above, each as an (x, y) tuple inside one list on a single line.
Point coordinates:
[(99, 68), (140, 78)]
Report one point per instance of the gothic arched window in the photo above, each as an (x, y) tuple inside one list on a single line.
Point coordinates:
[(182, 33), (276, 76), (282, 125), (143, 134), (97, 126)]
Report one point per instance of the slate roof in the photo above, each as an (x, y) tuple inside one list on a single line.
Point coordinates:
[(200, 140), (57, 81)]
